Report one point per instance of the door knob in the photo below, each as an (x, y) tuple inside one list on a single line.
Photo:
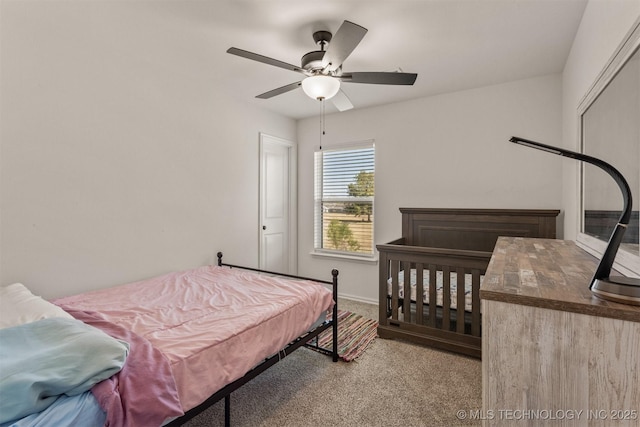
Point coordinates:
[(264, 227)]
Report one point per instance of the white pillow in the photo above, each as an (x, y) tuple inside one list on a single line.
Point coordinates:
[(19, 306)]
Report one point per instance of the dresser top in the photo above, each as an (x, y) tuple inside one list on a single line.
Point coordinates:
[(547, 273)]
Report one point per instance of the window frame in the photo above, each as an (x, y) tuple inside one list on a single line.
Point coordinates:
[(318, 201)]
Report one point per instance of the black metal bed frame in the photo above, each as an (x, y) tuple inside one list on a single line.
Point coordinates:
[(303, 340)]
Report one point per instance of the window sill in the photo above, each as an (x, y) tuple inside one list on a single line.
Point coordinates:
[(373, 259)]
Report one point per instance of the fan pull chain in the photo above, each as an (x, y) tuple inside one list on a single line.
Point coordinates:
[(322, 121)]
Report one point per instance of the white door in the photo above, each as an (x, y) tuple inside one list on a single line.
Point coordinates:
[(277, 204)]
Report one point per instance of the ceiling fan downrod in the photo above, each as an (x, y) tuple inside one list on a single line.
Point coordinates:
[(312, 61)]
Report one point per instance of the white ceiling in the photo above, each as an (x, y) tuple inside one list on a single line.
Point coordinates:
[(452, 44)]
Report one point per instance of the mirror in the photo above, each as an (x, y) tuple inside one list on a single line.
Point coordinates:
[(610, 130)]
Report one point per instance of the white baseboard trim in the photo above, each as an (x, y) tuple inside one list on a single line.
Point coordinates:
[(358, 299)]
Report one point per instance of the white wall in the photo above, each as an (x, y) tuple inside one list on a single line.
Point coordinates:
[(603, 27), (113, 141), (449, 150), (120, 159)]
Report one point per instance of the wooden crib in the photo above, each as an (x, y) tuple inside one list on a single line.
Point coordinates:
[(444, 254)]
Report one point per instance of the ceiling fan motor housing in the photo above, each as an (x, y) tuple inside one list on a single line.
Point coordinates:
[(312, 60)]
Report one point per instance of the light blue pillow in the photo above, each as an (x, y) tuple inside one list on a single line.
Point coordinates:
[(41, 360)]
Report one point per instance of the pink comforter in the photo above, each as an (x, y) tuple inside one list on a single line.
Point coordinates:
[(212, 323), (143, 393)]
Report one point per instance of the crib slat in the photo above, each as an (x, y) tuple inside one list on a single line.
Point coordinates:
[(406, 302), (433, 300), (446, 298), (475, 303), (460, 301), (394, 289), (383, 288), (419, 292)]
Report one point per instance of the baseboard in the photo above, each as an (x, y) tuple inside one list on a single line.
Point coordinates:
[(358, 299)]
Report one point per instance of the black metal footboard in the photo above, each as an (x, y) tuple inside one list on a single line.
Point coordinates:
[(303, 340)]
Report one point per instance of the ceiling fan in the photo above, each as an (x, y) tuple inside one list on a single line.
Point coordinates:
[(323, 68)]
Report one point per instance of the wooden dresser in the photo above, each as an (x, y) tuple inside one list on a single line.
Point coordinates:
[(552, 353)]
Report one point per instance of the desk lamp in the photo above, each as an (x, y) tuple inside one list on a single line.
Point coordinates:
[(625, 290)]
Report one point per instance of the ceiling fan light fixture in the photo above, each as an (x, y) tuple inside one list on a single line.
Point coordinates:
[(323, 68), (320, 87)]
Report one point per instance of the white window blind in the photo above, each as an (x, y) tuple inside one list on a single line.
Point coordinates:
[(344, 194)]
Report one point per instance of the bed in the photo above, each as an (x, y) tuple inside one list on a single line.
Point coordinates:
[(168, 347), (443, 254)]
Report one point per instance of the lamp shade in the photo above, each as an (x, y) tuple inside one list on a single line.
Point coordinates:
[(321, 87)]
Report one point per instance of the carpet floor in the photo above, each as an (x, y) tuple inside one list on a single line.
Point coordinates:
[(393, 383)]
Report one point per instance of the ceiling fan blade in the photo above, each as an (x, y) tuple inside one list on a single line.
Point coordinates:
[(280, 90), (341, 101), (342, 44), (265, 59), (381, 78)]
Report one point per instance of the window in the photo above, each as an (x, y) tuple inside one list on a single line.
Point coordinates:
[(344, 192)]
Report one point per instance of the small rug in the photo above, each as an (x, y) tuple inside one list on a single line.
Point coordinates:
[(355, 333)]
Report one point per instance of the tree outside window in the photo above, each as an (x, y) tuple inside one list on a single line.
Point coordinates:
[(363, 187)]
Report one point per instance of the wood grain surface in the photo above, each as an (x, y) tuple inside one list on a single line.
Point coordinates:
[(548, 273), (552, 353)]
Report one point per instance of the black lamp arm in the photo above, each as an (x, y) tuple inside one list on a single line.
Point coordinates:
[(609, 255)]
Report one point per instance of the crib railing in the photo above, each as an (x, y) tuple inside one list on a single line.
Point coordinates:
[(424, 312)]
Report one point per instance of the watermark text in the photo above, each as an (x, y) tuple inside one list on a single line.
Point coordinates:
[(548, 414)]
